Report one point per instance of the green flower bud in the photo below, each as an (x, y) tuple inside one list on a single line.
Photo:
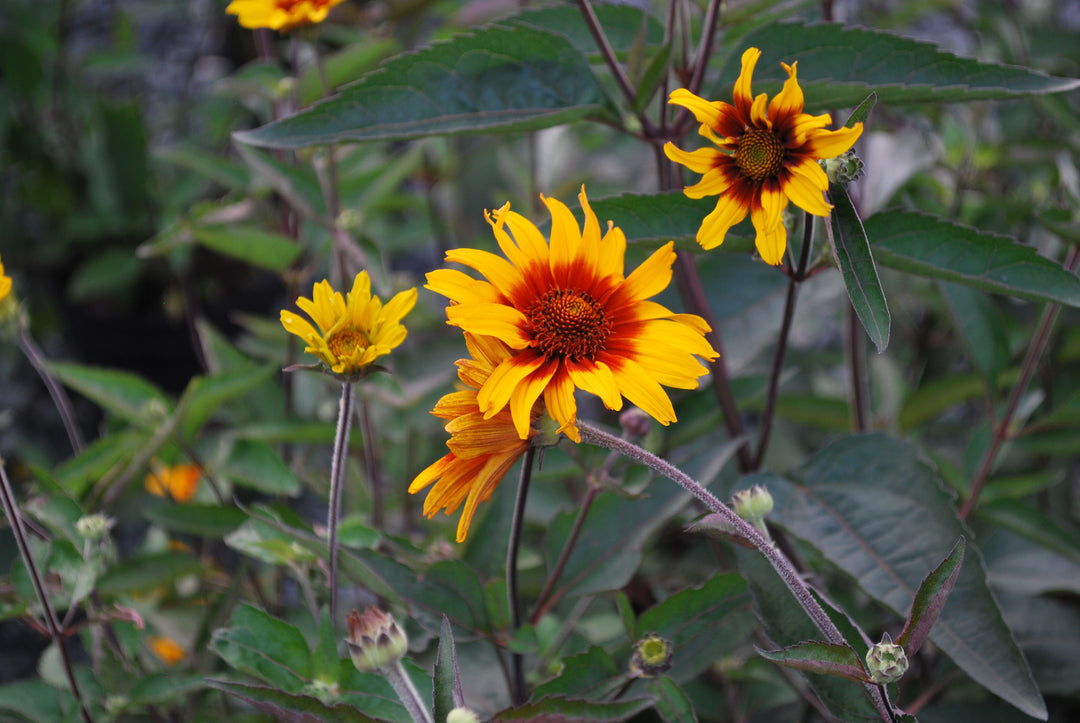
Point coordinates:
[(375, 640), (94, 527), (886, 662), (753, 504), (350, 220), (462, 715), (845, 168), (653, 656)]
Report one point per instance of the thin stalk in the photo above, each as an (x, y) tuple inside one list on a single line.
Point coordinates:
[(517, 693), (401, 683), (546, 600), (60, 398), (781, 345), (684, 120), (337, 482), (52, 623), (860, 382), (1031, 361), (606, 50)]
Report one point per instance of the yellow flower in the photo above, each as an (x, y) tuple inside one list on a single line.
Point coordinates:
[(482, 449), (572, 319), (767, 155), (280, 15), (5, 282), (180, 482), (166, 649), (352, 333), (9, 305)]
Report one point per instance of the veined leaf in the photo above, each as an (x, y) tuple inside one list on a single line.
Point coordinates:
[(621, 22), (447, 677), (672, 703), (496, 79), (828, 658), (856, 264), (930, 599)]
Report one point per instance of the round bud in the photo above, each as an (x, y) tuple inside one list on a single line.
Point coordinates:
[(886, 662), (375, 640), (752, 504), (653, 656), (462, 715)]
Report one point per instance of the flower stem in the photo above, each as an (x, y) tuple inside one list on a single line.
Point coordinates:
[(606, 50), (337, 480), (517, 694), (546, 599), (52, 624), (781, 344), (401, 683), (56, 390)]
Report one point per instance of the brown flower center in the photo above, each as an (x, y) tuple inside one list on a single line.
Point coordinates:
[(567, 323), (760, 154), (345, 342)]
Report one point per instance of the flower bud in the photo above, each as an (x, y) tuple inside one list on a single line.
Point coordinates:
[(635, 422), (653, 656), (845, 168), (886, 662), (375, 640), (753, 504), (94, 527), (462, 715)]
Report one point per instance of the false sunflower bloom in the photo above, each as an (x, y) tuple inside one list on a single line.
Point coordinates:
[(572, 319), (352, 332), (280, 15), (767, 154), (482, 449), (180, 482)]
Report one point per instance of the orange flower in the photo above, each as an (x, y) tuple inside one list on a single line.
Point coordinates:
[(572, 319), (767, 154), (179, 482), (166, 649), (280, 15), (482, 449)]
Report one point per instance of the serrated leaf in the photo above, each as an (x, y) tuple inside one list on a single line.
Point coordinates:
[(447, 693), (865, 529), (264, 646), (817, 657), (263, 249), (935, 248), (124, 394), (622, 25), (930, 599), (210, 521), (839, 65), (566, 710), (496, 79), (856, 263), (672, 704), (288, 707)]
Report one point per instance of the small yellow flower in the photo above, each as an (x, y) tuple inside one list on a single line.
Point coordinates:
[(280, 15), (9, 305), (572, 319), (180, 482), (5, 282), (352, 333), (166, 649), (482, 450), (767, 154)]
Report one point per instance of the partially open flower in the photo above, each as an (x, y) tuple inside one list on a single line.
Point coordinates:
[(375, 640), (653, 656)]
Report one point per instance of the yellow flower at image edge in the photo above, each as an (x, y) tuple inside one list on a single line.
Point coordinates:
[(572, 320), (352, 332), (180, 482), (767, 154), (481, 450), (280, 15), (5, 283)]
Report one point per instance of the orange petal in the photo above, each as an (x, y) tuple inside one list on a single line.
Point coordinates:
[(789, 101)]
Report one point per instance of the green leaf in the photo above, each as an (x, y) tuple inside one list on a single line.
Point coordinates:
[(143, 573), (263, 249), (266, 647), (566, 710), (205, 394), (981, 328), (447, 677), (159, 688), (817, 657), (211, 521), (1048, 630), (671, 702), (839, 65), (496, 79), (856, 263), (283, 706), (931, 247), (350, 62), (622, 24), (1024, 519), (258, 466), (592, 674), (224, 171), (862, 111), (79, 473), (930, 599), (325, 663), (35, 700), (124, 394), (866, 530)]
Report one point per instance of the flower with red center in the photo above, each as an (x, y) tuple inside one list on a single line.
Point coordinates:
[(482, 449), (767, 154), (572, 319), (180, 482), (280, 15), (353, 332)]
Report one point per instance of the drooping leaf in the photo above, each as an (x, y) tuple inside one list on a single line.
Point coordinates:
[(827, 658), (930, 599), (124, 394), (856, 263), (839, 65), (496, 79), (672, 703), (257, 465), (935, 248), (288, 707), (447, 677), (255, 246)]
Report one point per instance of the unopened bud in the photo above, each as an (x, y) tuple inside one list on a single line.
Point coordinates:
[(94, 527), (635, 422), (845, 168), (462, 715), (753, 504), (886, 662), (350, 220), (653, 656), (375, 640)]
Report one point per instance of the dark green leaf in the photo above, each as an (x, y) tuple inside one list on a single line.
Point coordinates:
[(857, 268), (325, 663), (342, 67), (839, 65), (621, 22), (930, 599), (592, 674), (122, 393), (1048, 630), (257, 465), (35, 700), (817, 657), (862, 111), (1023, 519), (931, 247), (492, 80), (212, 521), (671, 702), (158, 688), (981, 328), (143, 573), (79, 473), (565, 710), (655, 219), (263, 646), (263, 249), (290, 708), (224, 171), (447, 677), (205, 394)]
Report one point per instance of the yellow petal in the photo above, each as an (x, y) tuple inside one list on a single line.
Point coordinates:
[(525, 395), (498, 320), (560, 404), (713, 183), (742, 93), (789, 101), (706, 112), (771, 240), (596, 378), (500, 386), (612, 259), (829, 144), (728, 212), (642, 390), (500, 272), (652, 276), (801, 186), (700, 161), (461, 287)]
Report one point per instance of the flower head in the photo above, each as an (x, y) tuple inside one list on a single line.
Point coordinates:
[(280, 15), (9, 305), (482, 449), (886, 661), (352, 332), (5, 282), (572, 319), (179, 482), (375, 639), (766, 155), (652, 656), (166, 650)]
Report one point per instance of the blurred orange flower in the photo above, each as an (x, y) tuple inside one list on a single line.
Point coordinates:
[(166, 649), (180, 482)]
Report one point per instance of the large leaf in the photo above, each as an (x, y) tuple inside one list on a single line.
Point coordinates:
[(856, 264), (839, 65), (496, 79), (261, 645), (622, 24), (205, 394), (872, 507), (655, 219), (282, 706), (935, 248), (124, 394), (264, 249)]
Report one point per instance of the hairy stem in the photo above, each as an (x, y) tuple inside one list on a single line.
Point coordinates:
[(517, 694), (401, 683), (337, 482), (60, 398)]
